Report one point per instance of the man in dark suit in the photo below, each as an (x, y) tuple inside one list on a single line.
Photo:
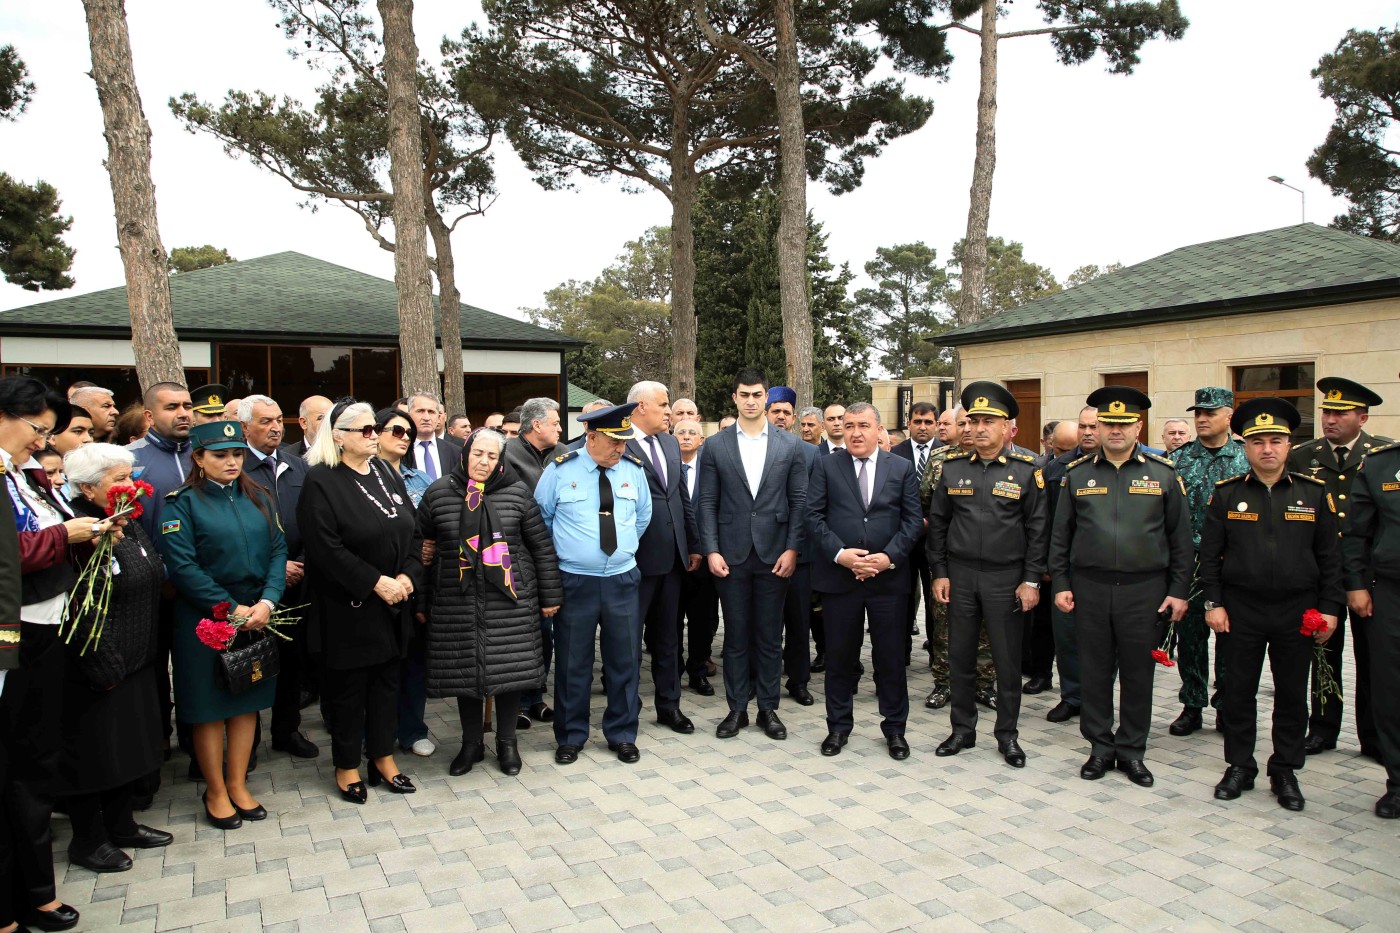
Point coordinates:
[(918, 449), (834, 417), (864, 517), (699, 600), (282, 476), (753, 490), (435, 456), (669, 547), (797, 607)]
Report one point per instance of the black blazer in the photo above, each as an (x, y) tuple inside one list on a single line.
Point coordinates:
[(672, 534), (286, 490), (733, 522), (836, 520)]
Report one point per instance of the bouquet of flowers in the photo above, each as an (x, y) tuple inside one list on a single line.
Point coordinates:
[(95, 581), (1314, 623), (219, 630)]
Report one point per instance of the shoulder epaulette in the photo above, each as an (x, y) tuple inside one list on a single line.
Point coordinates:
[(1388, 445), (1307, 445), (1238, 476), (1159, 458), (1017, 455), (565, 458), (1074, 463), (634, 459), (175, 492), (1305, 476), (959, 454)]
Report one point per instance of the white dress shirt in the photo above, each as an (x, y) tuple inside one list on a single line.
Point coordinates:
[(753, 451), (428, 454), (658, 461), (691, 475)]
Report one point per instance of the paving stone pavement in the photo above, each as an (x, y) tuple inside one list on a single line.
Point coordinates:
[(751, 834)]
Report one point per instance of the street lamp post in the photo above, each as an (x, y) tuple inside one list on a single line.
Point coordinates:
[(1303, 197)]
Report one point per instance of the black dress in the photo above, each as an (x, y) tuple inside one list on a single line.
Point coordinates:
[(111, 714)]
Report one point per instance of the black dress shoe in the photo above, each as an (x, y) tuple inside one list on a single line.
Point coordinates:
[(1284, 785), (540, 712), (1137, 772), (1037, 685), (398, 784), (471, 753), (296, 745), (954, 744), (819, 663), (701, 685), (899, 749), (731, 724), (834, 742), (1064, 711), (1388, 807), (1236, 781), (508, 756), (523, 721), (222, 822), (61, 917), (1188, 722), (676, 720), (1317, 743), (988, 699), (105, 858), (307, 698), (1096, 767), (627, 753), (355, 793), (938, 698), (566, 754), (258, 812), (771, 725), (801, 694), (1013, 754), (143, 838)]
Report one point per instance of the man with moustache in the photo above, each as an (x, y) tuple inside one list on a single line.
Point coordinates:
[(809, 425), (699, 600), (101, 404), (797, 606), (683, 409), (1175, 433)]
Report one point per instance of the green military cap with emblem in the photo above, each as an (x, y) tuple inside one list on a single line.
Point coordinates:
[(1265, 416), (1209, 398), (1340, 394), (615, 422), (210, 399), (989, 398), (1119, 404), (217, 435)]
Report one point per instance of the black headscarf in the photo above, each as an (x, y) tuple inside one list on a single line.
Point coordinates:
[(483, 549)]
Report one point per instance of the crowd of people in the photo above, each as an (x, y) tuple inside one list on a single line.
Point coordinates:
[(391, 555)]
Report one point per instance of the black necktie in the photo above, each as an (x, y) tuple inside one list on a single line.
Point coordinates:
[(607, 528), (1341, 456)]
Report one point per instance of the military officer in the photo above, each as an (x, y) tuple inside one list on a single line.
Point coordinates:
[(1371, 571), (597, 505), (209, 402), (1214, 455), (1269, 553), (1120, 560), (1334, 458), (987, 537)]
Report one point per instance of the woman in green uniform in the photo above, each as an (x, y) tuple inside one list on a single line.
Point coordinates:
[(221, 543)]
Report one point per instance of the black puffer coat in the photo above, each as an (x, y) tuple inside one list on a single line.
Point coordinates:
[(480, 642)]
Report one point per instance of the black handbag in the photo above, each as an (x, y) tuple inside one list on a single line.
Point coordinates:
[(251, 658)]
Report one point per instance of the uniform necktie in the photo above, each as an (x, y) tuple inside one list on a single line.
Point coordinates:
[(428, 463), (656, 462), (607, 528), (861, 481), (1341, 456)]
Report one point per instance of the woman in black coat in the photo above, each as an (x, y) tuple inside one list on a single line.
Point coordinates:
[(494, 576), (363, 561)]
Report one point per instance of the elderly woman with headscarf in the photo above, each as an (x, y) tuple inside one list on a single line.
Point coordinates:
[(111, 717), (494, 575)]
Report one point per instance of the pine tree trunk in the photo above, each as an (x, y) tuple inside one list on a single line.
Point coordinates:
[(792, 218), (685, 188), (128, 136), (974, 252), (450, 311), (417, 346)]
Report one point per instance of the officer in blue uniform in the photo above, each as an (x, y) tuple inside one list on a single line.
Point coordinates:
[(596, 503)]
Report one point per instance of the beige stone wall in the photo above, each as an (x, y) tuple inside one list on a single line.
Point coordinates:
[(1360, 341), (884, 394)]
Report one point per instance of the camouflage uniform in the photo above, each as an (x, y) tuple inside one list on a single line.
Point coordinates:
[(1200, 468), (938, 623)]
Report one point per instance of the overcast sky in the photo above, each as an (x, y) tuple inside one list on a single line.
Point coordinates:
[(1091, 167)]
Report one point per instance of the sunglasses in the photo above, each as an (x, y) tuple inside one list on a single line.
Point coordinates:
[(366, 432), (397, 430)]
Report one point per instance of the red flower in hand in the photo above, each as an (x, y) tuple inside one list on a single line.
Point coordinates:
[(1162, 658), (215, 634), (1313, 623), (221, 610)]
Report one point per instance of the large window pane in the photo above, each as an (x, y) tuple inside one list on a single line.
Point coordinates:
[(299, 372), (1291, 381), (122, 380), (243, 368), (376, 376), (489, 392)]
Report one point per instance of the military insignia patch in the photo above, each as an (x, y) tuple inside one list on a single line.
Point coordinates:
[(1145, 487), (170, 527), (1007, 490), (1039, 480), (229, 430)]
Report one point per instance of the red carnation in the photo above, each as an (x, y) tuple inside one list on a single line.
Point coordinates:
[(221, 610), (1162, 658), (215, 634), (1313, 623), (119, 497)]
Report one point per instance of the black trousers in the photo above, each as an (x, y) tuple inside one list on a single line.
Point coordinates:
[(797, 628), (1260, 626), (286, 703), (920, 593), (659, 604), (362, 709), (1383, 634), (1117, 625), (32, 707), (818, 620), (700, 616), (474, 728), (984, 599), (752, 597), (1038, 645), (846, 615), (1326, 719), (96, 817)]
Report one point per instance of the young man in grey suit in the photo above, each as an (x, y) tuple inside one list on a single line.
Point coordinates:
[(752, 497)]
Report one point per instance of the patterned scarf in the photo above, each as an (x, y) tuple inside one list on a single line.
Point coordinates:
[(483, 549)]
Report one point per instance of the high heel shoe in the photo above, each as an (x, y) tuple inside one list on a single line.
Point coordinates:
[(508, 756), (399, 783), (471, 753), (222, 822), (355, 793)]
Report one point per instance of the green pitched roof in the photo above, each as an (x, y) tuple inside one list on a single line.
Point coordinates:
[(285, 296), (1293, 267), (579, 396)]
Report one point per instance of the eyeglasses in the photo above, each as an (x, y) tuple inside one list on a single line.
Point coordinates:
[(39, 429), (366, 432), (397, 430)]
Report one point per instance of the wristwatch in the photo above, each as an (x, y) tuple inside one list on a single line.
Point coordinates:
[(1033, 584), (1208, 606)]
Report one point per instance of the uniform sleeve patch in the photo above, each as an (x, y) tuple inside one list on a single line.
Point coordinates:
[(170, 527), (1039, 480)]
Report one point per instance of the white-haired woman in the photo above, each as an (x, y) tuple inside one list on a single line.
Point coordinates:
[(111, 717), (362, 566)]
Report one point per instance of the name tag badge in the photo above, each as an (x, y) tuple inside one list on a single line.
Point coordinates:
[(1092, 491), (959, 491), (1299, 516), (1244, 516), (1390, 487), (1007, 490)]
